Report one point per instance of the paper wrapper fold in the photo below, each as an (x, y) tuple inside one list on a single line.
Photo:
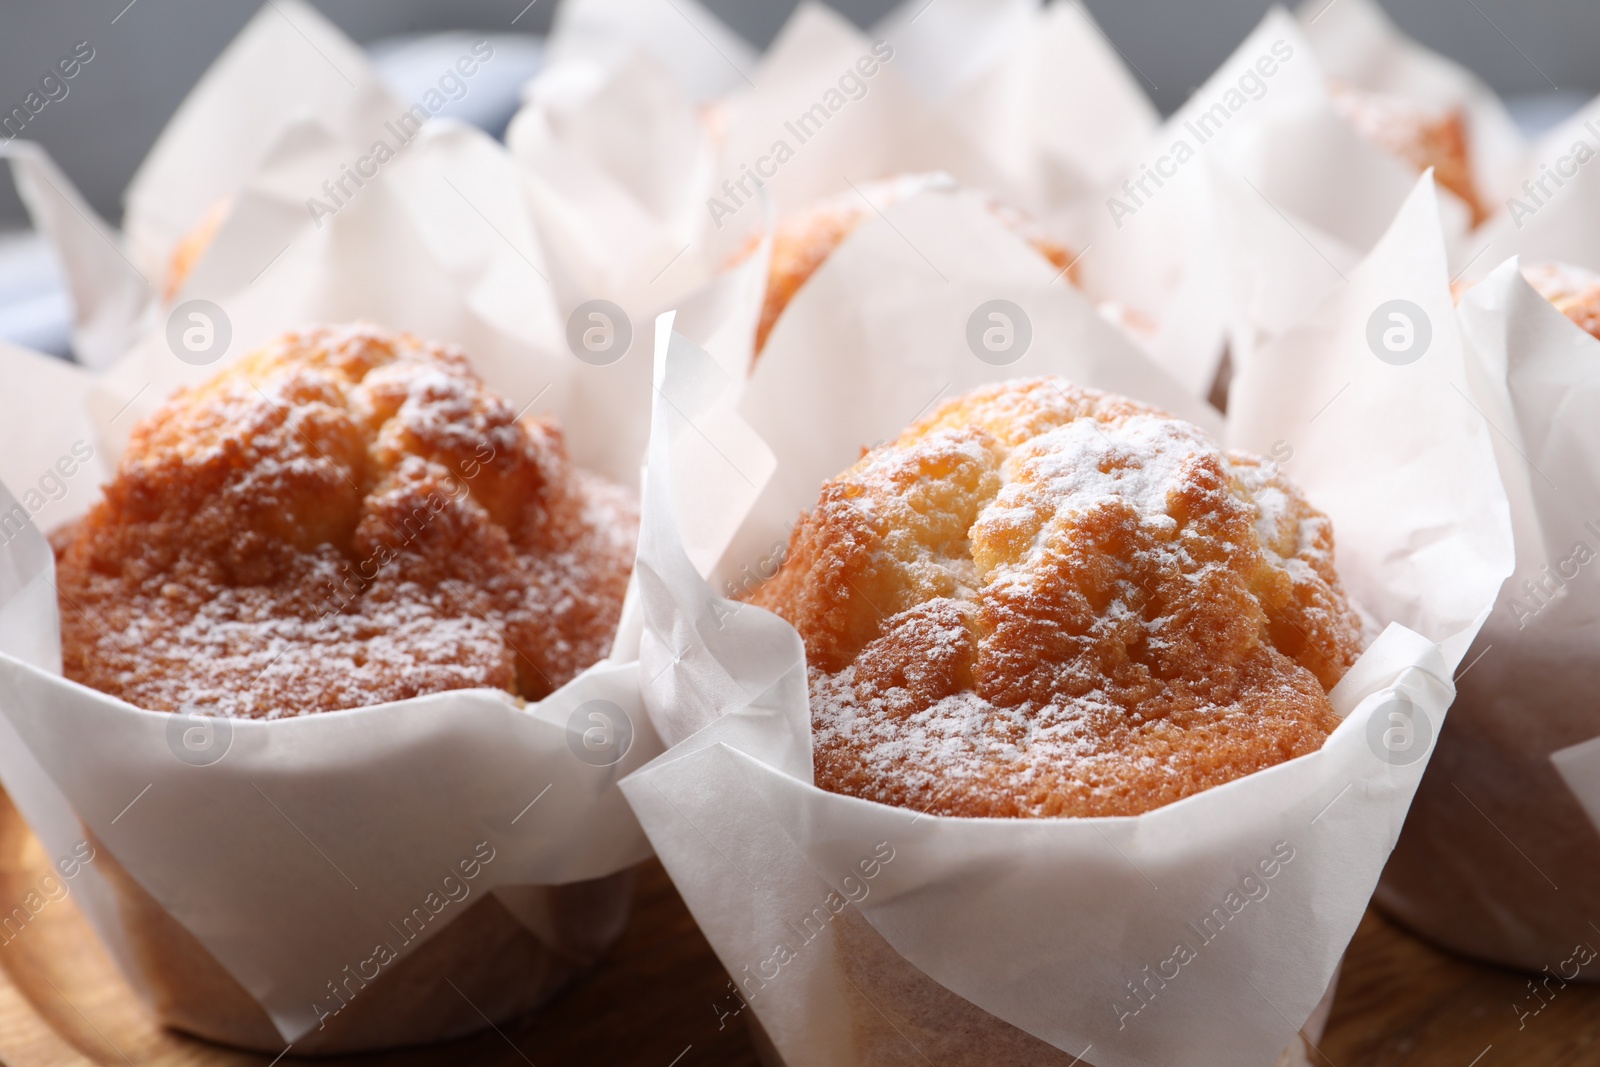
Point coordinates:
[(700, 52), (629, 159), (861, 933), (317, 865), (237, 890), (289, 73), (1260, 138), (288, 66), (1501, 854), (1556, 215), (1361, 46), (109, 295)]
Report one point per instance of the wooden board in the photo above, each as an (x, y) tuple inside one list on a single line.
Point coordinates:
[(1401, 1001), (63, 1004)]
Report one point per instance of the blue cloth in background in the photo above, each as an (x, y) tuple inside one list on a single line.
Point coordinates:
[(35, 310)]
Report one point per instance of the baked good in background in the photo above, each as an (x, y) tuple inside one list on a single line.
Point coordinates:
[(802, 241), (1045, 600), (1575, 291), (1497, 859), (342, 518), (1420, 134), (192, 245)]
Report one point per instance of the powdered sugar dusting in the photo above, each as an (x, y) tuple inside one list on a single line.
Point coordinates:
[(344, 518), (1043, 600)]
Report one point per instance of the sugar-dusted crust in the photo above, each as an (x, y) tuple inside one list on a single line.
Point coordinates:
[(802, 241), (1574, 291), (343, 518), (1421, 135), (1046, 600)]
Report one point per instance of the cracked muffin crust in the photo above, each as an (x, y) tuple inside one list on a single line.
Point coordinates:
[(1045, 600), (343, 518)]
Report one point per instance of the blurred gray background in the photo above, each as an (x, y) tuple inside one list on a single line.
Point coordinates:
[(147, 59)]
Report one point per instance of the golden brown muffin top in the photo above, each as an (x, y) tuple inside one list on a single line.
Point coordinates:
[(1574, 291), (1047, 600), (342, 518), (1422, 135)]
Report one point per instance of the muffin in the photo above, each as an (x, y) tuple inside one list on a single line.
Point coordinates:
[(802, 241), (1496, 860), (342, 518), (1043, 600), (1421, 135)]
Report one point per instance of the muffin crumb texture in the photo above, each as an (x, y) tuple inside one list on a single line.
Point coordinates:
[(343, 518), (1044, 600)]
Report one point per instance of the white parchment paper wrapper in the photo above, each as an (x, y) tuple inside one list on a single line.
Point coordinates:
[(617, 150), (305, 845), (1500, 856), (288, 65), (625, 153), (1029, 102), (290, 856), (1360, 45), (1164, 239), (1024, 935), (616, 162), (1540, 195), (1553, 212), (698, 50), (109, 295), (290, 74)]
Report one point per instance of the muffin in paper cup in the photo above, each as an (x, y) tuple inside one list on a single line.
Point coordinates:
[(1329, 118), (860, 932), (1502, 816), (1549, 214), (1028, 102), (1362, 50), (336, 881), (1507, 817), (322, 881), (358, 878), (317, 880), (290, 76)]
